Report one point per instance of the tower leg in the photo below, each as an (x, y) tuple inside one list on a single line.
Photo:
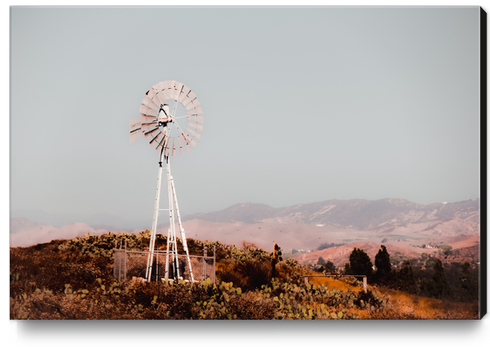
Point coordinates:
[(182, 233), (166, 255), (149, 263), (171, 236)]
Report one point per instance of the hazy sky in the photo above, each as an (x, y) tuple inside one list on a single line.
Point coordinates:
[(300, 105)]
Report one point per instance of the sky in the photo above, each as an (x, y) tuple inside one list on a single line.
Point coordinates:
[(301, 104)]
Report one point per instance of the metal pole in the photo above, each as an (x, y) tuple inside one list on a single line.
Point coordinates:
[(166, 255), (175, 258), (149, 262), (182, 233), (214, 264)]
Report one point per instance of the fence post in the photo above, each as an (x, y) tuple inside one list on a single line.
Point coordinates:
[(156, 268), (204, 272), (125, 261), (214, 264), (364, 283)]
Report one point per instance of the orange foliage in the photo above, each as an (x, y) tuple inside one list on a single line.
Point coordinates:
[(403, 305)]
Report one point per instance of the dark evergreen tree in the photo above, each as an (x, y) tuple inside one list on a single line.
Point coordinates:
[(383, 266), (441, 287), (406, 279), (360, 263), (321, 261), (329, 266), (469, 283)]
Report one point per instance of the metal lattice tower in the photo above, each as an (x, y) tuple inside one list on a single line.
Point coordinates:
[(164, 128)]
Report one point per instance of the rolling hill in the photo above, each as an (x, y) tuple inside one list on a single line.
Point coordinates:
[(398, 223)]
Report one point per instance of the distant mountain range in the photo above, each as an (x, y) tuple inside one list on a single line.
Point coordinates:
[(98, 220), (302, 226), (353, 214)]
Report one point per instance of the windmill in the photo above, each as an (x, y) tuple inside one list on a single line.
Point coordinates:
[(164, 128)]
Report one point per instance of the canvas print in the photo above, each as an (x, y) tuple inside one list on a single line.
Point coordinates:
[(247, 163)]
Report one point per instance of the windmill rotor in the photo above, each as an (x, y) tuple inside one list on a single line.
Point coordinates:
[(157, 115)]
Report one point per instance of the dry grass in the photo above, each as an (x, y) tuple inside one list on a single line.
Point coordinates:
[(333, 283), (416, 307), (403, 305)]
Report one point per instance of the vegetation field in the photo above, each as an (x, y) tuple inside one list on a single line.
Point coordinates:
[(73, 279)]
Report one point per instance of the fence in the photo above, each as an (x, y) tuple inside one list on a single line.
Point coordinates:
[(129, 264)]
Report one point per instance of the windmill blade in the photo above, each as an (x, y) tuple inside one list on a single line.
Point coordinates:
[(180, 145), (152, 94), (151, 133), (177, 89), (193, 133), (173, 146), (148, 102), (191, 96), (192, 104), (169, 87), (156, 138), (147, 119), (167, 84), (168, 94), (195, 111), (134, 125), (134, 130), (195, 126), (186, 100), (160, 145), (197, 119), (160, 86), (189, 139), (183, 93), (148, 111), (186, 143), (162, 97), (149, 125)]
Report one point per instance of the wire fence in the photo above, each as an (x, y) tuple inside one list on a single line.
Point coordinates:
[(129, 264)]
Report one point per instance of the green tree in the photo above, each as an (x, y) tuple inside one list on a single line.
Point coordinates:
[(329, 266), (383, 265), (469, 283), (360, 263), (441, 287), (321, 261), (405, 279)]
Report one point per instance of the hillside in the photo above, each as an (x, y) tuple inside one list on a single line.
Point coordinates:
[(399, 224), (73, 279), (463, 248)]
